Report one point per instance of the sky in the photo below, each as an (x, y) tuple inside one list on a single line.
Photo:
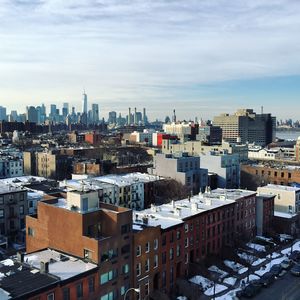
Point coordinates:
[(201, 57)]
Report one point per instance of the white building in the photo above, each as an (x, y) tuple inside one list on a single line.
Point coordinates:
[(11, 167), (226, 166), (287, 198)]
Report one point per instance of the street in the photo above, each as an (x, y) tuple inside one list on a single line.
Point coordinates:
[(284, 288)]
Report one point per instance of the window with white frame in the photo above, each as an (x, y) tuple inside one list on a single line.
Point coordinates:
[(147, 247), (155, 263), (155, 244), (138, 269), (138, 250)]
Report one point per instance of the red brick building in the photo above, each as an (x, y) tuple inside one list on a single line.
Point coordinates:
[(83, 227)]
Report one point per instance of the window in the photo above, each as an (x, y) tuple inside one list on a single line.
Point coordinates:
[(163, 258), (125, 249), (30, 231), (1, 200), (186, 242), (50, 296), (178, 250), (147, 265), (164, 240), (1, 213), (178, 234), (138, 269), (186, 227), (147, 247), (21, 209), (108, 296), (105, 277), (66, 294), (87, 254), (155, 244), (79, 290), (171, 253), (91, 284), (125, 269), (138, 250), (155, 263), (125, 229), (186, 258), (147, 289)]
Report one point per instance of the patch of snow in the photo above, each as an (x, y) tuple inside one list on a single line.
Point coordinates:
[(256, 247), (275, 255), (181, 298), (253, 277), (218, 270), (230, 280), (202, 281), (233, 265), (243, 270), (8, 262), (247, 257), (258, 261), (217, 289)]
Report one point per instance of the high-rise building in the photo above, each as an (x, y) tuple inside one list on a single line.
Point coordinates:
[(84, 103), (31, 114), (95, 113), (3, 116), (112, 117), (245, 126), (65, 110)]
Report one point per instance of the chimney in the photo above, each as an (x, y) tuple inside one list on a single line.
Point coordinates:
[(20, 257), (44, 267)]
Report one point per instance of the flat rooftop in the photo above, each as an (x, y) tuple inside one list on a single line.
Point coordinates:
[(232, 194), (61, 265), (279, 187), (175, 212), (7, 189)]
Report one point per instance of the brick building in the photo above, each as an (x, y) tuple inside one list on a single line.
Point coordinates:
[(189, 231), (83, 227), (255, 175)]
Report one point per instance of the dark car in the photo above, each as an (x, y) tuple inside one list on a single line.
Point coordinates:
[(249, 291), (295, 270), (267, 279), (276, 270), (295, 255)]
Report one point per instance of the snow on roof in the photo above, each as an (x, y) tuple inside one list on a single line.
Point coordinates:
[(174, 213), (232, 194), (21, 180), (284, 215), (61, 265), (4, 295), (281, 187)]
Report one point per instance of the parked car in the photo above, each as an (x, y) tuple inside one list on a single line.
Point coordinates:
[(295, 255), (267, 279), (276, 270), (249, 291), (286, 264), (295, 270)]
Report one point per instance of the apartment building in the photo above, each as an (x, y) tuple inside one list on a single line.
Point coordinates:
[(264, 214), (199, 148), (287, 198), (187, 231), (10, 166), (13, 209), (42, 275), (226, 166), (83, 227), (181, 167), (246, 126), (256, 175)]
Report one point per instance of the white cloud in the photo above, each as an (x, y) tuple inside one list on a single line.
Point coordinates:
[(127, 48)]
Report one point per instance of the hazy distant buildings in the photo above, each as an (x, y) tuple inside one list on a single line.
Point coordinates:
[(245, 126), (95, 113)]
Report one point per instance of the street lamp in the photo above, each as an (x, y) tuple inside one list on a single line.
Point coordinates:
[(134, 289)]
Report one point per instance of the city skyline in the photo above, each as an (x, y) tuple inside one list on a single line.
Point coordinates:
[(199, 58)]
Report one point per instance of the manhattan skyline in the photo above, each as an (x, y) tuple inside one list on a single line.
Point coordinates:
[(201, 58)]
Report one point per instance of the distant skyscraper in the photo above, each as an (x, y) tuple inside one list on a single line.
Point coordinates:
[(65, 110), (95, 113), (112, 117), (3, 113), (84, 103), (31, 114)]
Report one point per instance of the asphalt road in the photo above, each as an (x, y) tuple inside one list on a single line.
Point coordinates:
[(284, 288)]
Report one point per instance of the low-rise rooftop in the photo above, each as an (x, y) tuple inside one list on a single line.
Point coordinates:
[(175, 212), (278, 187)]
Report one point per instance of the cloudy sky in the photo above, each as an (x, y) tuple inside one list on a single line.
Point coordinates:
[(201, 57)]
